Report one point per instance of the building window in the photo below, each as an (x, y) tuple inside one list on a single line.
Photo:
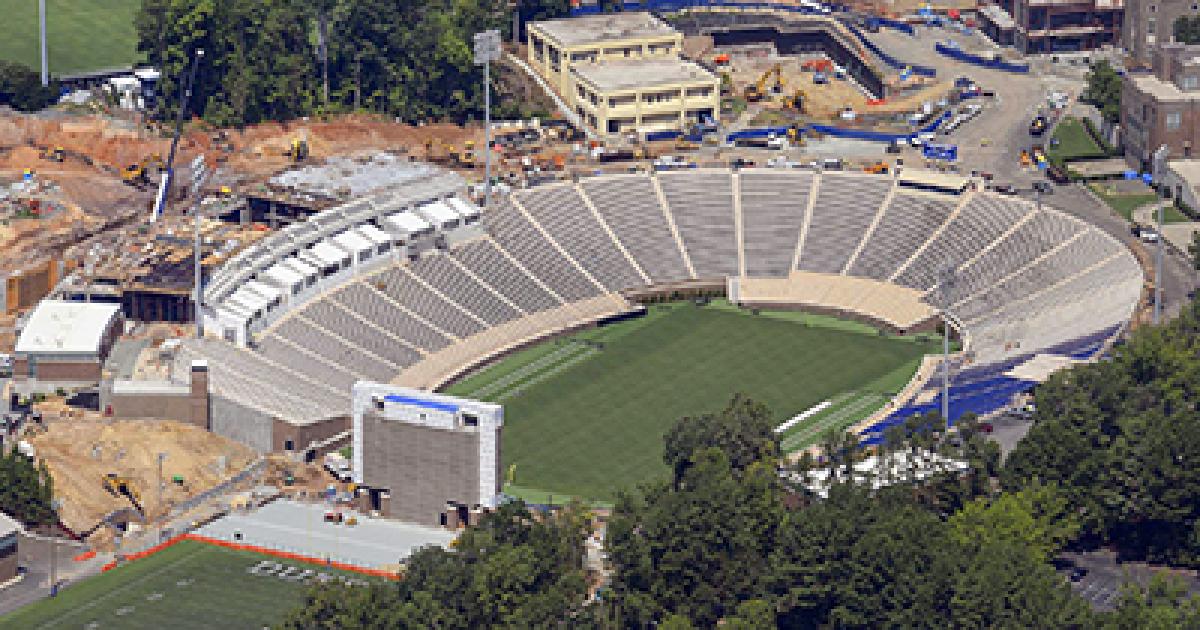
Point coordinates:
[(699, 92), (1189, 83), (1174, 119), (1150, 25), (289, 445), (1153, 8)]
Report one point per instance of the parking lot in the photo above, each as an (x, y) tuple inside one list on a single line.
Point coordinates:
[(1102, 576)]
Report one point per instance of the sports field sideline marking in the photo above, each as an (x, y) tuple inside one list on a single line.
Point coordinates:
[(515, 376), (124, 587), (542, 376), (801, 417), (860, 406)]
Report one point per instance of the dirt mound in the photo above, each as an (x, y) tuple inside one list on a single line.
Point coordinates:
[(80, 453)]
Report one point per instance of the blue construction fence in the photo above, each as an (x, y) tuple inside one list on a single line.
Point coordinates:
[(841, 132), (903, 27), (954, 52), (894, 63)]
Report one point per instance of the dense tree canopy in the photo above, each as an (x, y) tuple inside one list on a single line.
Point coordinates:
[(1121, 439), (21, 88), (1104, 90), (26, 489), (282, 59)]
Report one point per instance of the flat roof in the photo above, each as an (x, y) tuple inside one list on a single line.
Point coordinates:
[(353, 242), (328, 254), (1188, 170), (998, 16), (1160, 90), (598, 29), (438, 212), (466, 210), (407, 222), (298, 266), (373, 234), (629, 74), (282, 274), (59, 326)]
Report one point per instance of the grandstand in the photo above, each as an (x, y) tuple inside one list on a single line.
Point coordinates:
[(428, 290)]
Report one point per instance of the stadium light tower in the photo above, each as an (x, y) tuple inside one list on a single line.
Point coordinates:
[(947, 279), (487, 50), (42, 33)]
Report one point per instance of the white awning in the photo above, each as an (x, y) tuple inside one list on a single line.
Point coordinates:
[(466, 210), (439, 214), (328, 255), (406, 223), (299, 266), (373, 234), (265, 290), (352, 242), (281, 275), (252, 302)]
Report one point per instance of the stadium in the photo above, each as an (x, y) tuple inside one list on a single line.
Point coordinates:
[(428, 293)]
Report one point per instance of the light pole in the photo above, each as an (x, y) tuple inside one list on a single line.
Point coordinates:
[(56, 505), (42, 32), (161, 201), (947, 278), (200, 175), (487, 50), (1158, 266)]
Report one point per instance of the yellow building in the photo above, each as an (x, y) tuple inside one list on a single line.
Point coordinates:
[(645, 95), (623, 72)]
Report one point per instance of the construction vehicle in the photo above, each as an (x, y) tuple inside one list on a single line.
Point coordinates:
[(1025, 159), (721, 59), (298, 150), (1038, 126), (57, 154), (877, 168), (117, 485), (756, 91), (138, 174), (796, 101)]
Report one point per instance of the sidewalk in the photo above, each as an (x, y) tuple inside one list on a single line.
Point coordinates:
[(1177, 235)]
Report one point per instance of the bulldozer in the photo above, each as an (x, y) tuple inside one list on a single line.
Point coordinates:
[(138, 174), (298, 150), (117, 485), (56, 154)]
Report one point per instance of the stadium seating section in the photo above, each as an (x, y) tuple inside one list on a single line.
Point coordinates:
[(549, 258)]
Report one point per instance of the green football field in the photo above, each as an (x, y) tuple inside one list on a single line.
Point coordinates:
[(188, 585), (81, 35), (585, 415)]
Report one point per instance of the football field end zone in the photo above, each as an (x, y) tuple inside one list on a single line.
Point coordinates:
[(284, 555)]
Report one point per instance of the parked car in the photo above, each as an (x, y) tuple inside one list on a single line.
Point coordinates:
[(1043, 187)]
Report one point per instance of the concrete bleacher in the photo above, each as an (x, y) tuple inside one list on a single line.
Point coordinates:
[(984, 218), (330, 348), (1041, 233), (483, 258), (304, 362), (701, 202), (908, 222), (439, 271), (372, 305), (404, 288), (773, 207), (629, 204), (845, 207), (367, 334), (509, 227), (561, 211)]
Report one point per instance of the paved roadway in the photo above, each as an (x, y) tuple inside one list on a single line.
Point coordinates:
[(1105, 575), (34, 555)]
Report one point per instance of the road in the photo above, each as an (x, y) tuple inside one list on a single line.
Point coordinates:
[(35, 557), (1105, 575)]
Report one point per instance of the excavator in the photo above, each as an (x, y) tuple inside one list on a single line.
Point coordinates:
[(117, 485), (138, 174), (56, 154), (298, 150), (756, 91), (796, 101)]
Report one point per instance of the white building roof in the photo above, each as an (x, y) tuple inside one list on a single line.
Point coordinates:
[(438, 213), (282, 275), (609, 27), (352, 242), (299, 266), (328, 254), (633, 74), (264, 289), (407, 222), (58, 326), (464, 209), (373, 234), (250, 301)]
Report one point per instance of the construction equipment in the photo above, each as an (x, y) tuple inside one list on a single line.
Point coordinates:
[(117, 485), (796, 101), (57, 154), (721, 59), (877, 168), (138, 174), (298, 150), (1025, 159), (756, 91)]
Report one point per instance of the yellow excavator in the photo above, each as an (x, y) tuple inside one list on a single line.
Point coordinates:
[(756, 91), (117, 485), (138, 174), (56, 154), (796, 101), (298, 150)]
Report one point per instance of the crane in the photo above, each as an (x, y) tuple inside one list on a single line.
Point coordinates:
[(169, 168)]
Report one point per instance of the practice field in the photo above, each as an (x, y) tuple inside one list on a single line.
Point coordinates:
[(585, 415), (82, 35), (188, 585)]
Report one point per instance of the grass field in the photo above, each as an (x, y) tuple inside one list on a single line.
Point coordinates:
[(188, 585), (1125, 203), (82, 35), (585, 414), (1074, 142)]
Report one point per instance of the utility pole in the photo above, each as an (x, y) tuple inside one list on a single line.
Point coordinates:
[(487, 50), (1158, 266), (947, 278), (42, 32), (200, 175), (164, 190)]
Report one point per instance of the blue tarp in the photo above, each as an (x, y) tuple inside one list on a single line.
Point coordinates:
[(954, 52)]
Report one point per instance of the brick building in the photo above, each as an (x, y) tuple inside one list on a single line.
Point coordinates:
[(1162, 107), (1150, 23), (64, 345), (1053, 26), (425, 458)]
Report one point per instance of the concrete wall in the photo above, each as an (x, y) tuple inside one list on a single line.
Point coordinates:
[(147, 406), (422, 467), (241, 423), (25, 287), (302, 436)]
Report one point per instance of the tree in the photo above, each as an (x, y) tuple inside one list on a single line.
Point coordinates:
[(1187, 29), (1104, 90), (744, 431), (26, 489), (1037, 519), (1164, 603), (21, 88)]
